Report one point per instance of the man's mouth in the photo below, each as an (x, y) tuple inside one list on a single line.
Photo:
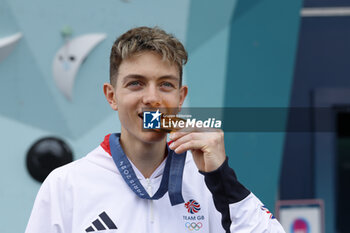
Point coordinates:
[(140, 115)]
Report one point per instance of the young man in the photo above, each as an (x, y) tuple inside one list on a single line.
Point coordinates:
[(134, 181)]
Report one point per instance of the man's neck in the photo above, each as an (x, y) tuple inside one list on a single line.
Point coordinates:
[(145, 156)]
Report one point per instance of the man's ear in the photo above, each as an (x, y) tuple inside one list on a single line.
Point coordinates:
[(110, 94), (183, 94)]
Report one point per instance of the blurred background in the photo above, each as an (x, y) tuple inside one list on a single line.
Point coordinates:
[(242, 53)]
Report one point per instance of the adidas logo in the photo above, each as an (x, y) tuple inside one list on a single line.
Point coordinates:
[(104, 224)]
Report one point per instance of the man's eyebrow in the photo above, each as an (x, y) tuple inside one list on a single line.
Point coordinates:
[(132, 76), (170, 77), (138, 76)]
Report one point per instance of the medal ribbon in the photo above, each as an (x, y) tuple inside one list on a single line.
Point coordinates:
[(172, 175)]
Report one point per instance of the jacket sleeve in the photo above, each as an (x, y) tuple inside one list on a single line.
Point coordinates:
[(241, 210), (48, 213)]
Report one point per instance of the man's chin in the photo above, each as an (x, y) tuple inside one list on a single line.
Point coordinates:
[(153, 135)]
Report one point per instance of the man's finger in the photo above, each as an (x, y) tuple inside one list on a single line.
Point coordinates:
[(185, 137), (190, 145), (178, 134)]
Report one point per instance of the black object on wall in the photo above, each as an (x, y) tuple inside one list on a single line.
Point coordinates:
[(45, 155)]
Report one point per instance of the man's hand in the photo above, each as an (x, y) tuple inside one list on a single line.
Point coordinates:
[(207, 148)]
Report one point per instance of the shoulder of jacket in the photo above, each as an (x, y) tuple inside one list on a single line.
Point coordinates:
[(63, 172)]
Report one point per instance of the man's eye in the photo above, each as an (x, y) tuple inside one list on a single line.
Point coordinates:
[(134, 83), (167, 84)]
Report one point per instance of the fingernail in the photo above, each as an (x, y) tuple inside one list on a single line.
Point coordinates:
[(171, 145)]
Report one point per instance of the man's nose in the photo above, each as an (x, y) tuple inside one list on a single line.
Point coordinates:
[(152, 97)]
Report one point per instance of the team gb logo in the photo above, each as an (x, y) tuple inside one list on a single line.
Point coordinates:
[(192, 206)]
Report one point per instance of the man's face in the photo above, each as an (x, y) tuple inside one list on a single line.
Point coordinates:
[(146, 81)]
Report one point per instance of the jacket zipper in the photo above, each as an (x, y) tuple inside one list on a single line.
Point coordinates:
[(149, 190)]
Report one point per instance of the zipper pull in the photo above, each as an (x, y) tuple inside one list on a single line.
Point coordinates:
[(149, 191), (149, 187)]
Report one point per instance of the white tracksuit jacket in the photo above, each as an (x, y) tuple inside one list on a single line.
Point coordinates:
[(90, 195)]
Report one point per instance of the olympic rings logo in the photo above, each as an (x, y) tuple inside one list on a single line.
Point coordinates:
[(193, 226)]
